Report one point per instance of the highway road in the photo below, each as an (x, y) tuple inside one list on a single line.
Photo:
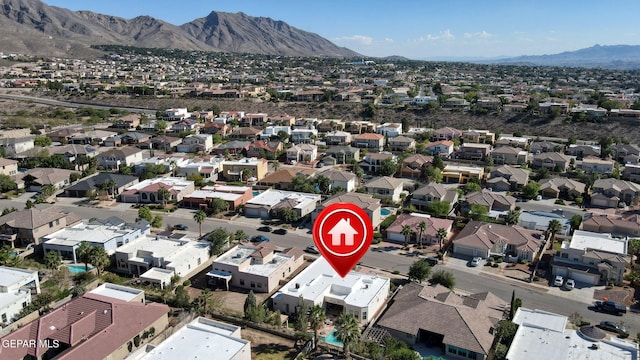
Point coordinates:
[(466, 281)]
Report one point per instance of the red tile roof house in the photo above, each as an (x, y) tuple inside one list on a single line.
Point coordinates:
[(484, 240), (429, 236), (89, 327), (463, 326)]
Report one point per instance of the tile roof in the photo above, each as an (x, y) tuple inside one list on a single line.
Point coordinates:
[(51, 176), (120, 153), (384, 182), (484, 235), (363, 201), (464, 321), (338, 175), (285, 175), (37, 216), (95, 181), (369, 136), (433, 224), (488, 198)]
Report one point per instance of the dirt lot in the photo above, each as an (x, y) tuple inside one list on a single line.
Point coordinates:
[(265, 346)]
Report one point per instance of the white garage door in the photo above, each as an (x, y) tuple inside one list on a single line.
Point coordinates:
[(562, 271), (591, 279)]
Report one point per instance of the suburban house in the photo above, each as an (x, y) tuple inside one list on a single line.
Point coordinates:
[(108, 234), (260, 267), (232, 147), (432, 191), (190, 125), (340, 179), (369, 141), (266, 204), (561, 187), (414, 166), (631, 172), (444, 148), (366, 202), (35, 179), (302, 152), (545, 146), (539, 220), (473, 151), (126, 155), (612, 224), (274, 131), (90, 137), (360, 127), (413, 220), (223, 130), (283, 120), (624, 152), (545, 335), (583, 151), (389, 130), (247, 133), (515, 141), (13, 146), (609, 192), (128, 138), (101, 181), (456, 103), (157, 258), (485, 240), (209, 167), (176, 114), (551, 160), (27, 226), (265, 149), (281, 179), (492, 201), (196, 339), (507, 178), (385, 187), (462, 325), (372, 162), (329, 125), (196, 143), (233, 195), (509, 155), (162, 142), (96, 325), (362, 295), (16, 286), (148, 191), (8, 167), (446, 133), (592, 258), (337, 138), (462, 174), (74, 153), (303, 136), (342, 154), (244, 169), (594, 164), (478, 137), (402, 144), (128, 122)]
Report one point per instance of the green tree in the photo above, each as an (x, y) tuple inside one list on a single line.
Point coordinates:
[(164, 194), (421, 227), (302, 321), (218, 205), (419, 271), (530, 191), (478, 212), (347, 331), (506, 331), (437, 162), (470, 187), (99, 258), (156, 222), (324, 184), (47, 190), (317, 316), (182, 298), (219, 239), (42, 141), (575, 222), (288, 215), (29, 204), (240, 236), (161, 126), (554, 227), (199, 217), (388, 167), (205, 303), (442, 235), (52, 260), (439, 208), (512, 217), (633, 248), (250, 303), (302, 183), (433, 174), (8, 211), (443, 278), (144, 213), (6, 183), (406, 231), (83, 253)]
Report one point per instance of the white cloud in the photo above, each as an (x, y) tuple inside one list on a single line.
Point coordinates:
[(482, 35), (355, 39), (443, 35), (389, 40)]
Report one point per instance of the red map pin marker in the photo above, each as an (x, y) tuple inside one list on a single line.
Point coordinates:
[(343, 233)]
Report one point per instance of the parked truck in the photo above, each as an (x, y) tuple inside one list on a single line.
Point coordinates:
[(610, 307)]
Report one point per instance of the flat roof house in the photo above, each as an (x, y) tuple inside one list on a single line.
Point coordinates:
[(201, 338), (461, 174), (359, 294), (240, 169), (15, 291), (148, 190), (259, 268), (263, 205)]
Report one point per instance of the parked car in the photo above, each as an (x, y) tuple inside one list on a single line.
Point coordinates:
[(182, 227), (259, 238), (569, 284), (610, 307), (312, 249), (432, 261), (265, 228), (280, 231), (475, 261), (558, 281), (613, 327)]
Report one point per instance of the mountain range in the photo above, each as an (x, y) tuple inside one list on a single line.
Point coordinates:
[(33, 27)]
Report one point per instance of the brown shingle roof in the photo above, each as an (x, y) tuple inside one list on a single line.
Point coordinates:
[(37, 216), (484, 235)]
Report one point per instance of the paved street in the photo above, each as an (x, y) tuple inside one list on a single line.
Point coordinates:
[(468, 280)]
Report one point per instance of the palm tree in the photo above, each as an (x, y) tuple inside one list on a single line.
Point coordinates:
[(406, 231), (442, 236), (317, 317), (422, 226), (52, 260), (174, 167), (513, 217), (347, 331), (111, 186), (554, 227), (199, 217), (164, 194), (240, 236), (83, 253), (248, 173), (99, 258)]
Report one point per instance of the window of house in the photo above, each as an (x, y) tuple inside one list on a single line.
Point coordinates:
[(51, 224), (253, 284), (364, 315), (58, 222), (4, 318), (242, 282)]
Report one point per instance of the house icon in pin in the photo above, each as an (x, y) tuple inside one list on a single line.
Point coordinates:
[(342, 229)]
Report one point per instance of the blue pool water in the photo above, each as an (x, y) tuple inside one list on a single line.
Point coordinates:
[(331, 338), (384, 212), (255, 193), (76, 269)]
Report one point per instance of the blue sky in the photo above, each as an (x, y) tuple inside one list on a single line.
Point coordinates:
[(419, 29)]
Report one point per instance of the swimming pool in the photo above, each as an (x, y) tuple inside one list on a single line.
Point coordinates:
[(255, 193), (331, 338), (76, 269), (385, 212)]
